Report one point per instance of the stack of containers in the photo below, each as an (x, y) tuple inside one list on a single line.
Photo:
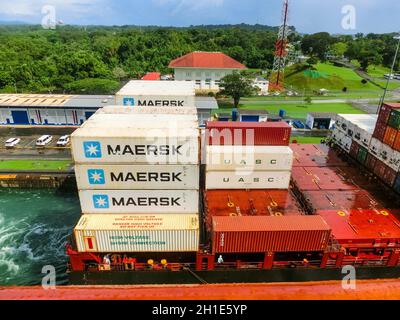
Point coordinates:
[(241, 155), (249, 208), (352, 206), (374, 141), (137, 172), (384, 155)]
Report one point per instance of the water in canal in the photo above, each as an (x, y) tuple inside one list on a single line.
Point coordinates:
[(34, 226)]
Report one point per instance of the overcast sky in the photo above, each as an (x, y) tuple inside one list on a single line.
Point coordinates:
[(307, 16)]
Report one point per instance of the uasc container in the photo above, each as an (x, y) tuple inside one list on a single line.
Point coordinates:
[(248, 133), (137, 177), (257, 158), (216, 180), (137, 233), (138, 201), (269, 234)]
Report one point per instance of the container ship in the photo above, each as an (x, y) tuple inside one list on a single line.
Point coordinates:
[(164, 202)]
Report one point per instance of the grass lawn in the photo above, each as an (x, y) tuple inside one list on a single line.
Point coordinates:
[(307, 140), (300, 111), (32, 165), (327, 76)]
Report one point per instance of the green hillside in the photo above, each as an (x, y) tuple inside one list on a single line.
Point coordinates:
[(327, 76)]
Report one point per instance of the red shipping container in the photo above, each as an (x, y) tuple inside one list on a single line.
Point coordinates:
[(355, 147), (309, 155), (385, 111), (390, 136), (371, 162), (323, 178), (396, 145), (248, 133), (345, 200), (250, 203), (377, 228), (380, 131), (389, 177), (269, 234), (380, 169)]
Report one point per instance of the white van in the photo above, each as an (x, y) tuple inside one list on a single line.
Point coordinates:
[(63, 141), (43, 141)]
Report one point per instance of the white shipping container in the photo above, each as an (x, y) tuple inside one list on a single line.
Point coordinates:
[(142, 120), (139, 146), (139, 201), (137, 233), (137, 177), (394, 160), (342, 140), (376, 147), (251, 180), (147, 110), (249, 158), (157, 94)]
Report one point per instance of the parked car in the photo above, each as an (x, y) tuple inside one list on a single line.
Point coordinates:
[(12, 142), (63, 141), (44, 140)]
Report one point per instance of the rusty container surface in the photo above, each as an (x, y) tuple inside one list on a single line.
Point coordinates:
[(380, 169), (344, 200), (396, 145), (390, 136), (376, 228), (309, 155), (269, 234), (389, 176), (355, 147), (384, 113), (370, 162), (250, 203), (248, 133), (380, 131)]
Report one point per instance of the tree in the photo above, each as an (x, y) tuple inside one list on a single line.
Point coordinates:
[(237, 85), (317, 44), (338, 49)]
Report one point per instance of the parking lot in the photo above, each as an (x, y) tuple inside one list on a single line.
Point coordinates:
[(27, 148)]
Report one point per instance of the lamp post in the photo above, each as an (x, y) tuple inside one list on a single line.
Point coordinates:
[(390, 75)]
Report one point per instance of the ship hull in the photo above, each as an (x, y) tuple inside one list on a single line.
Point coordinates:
[(227, 276)]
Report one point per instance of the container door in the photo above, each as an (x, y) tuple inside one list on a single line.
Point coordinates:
[(20, 117), (90, 243)]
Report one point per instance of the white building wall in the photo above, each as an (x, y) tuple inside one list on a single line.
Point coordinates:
[(206, 79), (4, 115)]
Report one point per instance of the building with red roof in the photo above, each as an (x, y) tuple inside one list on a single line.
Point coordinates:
[(153, 76), (205, 68)]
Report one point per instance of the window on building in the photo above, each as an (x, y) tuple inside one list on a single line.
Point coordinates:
[(208, 74), (198, 74), (208, 82), (188, 74), (198, 83), (217, 82)]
